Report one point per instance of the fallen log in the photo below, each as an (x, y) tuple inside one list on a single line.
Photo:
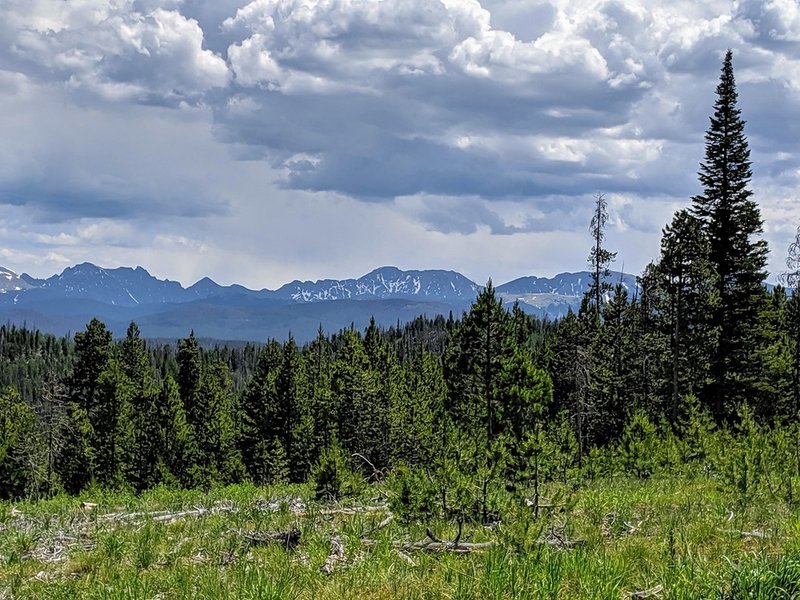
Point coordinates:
[(756, 533), (556, 538), (288, 539), (431, 546), (641, 595), (435, 544), (336, 556), (354, 510)]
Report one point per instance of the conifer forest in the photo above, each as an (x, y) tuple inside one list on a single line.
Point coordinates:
[(646, 446)]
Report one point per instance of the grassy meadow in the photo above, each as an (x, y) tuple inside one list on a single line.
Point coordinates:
[(665, 537)]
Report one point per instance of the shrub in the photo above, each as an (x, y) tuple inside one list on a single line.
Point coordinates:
[(332, 475)]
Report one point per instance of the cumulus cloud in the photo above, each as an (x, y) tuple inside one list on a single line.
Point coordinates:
[(114, 50)]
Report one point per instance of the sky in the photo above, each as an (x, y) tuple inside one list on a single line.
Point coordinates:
[(262, 141)]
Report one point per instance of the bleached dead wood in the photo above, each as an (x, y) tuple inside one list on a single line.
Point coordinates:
[(435, 544), (650, 593), (405, 557), (460, 548), (557, 538), (377, 474), (165, 516), (336, 556), (756, 533), (353, 510)]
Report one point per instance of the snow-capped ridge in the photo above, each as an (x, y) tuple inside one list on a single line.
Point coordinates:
[(384, 283), (11, 282)]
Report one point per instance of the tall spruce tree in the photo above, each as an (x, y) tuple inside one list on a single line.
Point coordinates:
[(685, 276), (190, 370), (570, 366), (17, 422), (147, 445), (354, 388), (478, 349), (79, 459), (261, 419), (177, 443), (295, 420), (731, 221), (319, 358)]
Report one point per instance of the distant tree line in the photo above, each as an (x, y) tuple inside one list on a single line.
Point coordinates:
[(496, 396)]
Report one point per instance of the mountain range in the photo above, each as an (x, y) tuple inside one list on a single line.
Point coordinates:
[(65, 302)]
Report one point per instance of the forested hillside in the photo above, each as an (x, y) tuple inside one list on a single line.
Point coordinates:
[(498, 397)]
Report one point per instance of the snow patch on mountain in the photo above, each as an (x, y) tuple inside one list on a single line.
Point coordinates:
[(384, 283), (11, 282)]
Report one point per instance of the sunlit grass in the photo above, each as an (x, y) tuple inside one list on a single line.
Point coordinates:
[(682, 537)]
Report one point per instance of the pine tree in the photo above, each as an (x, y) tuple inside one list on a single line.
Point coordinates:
[(650, 342), (261, 419), (418, 412), (176, 437), (17, 422), (93, 350), (295, 423), (614, 349), (354, 387), (147, 443), (318, 357), (731, 221), (572, 374), (190, 370), (50, 407), (79, 459), (479, 347), (386, 374), (687, 280), (113, 427)]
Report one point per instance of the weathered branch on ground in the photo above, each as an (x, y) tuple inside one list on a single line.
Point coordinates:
[(382, 524), (336, 556), (544, 505), (756, 533), (557, 538), (435, 544), (460, 548), (641, 595), (405, 557), (165, 516), (432, 546), (288, 539), (354, 510), (632, 529)]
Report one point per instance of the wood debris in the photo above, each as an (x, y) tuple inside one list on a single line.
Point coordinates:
[(288, 539), (641, 595), (336, 556)]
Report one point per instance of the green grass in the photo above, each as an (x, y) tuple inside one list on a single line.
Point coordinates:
[(683, 536)]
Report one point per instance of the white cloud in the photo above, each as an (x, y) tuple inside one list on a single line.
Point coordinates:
[(115, 51)]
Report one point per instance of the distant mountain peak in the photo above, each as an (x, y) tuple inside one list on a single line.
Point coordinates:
[(11, 282), (162, 307), (384, 283)]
